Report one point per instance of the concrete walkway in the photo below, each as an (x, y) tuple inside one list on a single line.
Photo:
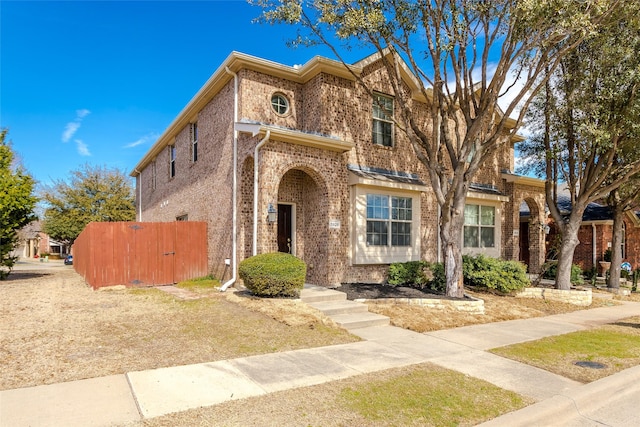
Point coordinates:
[(120, 399)]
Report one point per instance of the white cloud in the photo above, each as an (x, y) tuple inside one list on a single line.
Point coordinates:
[(142, 140), (83, 149), (72, 127)]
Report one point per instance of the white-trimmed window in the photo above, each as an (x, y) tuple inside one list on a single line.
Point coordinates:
[(386, 225), (280, 103), (479, 226), (194, 142), (382, 120), (154, 175), (172, 161), (388, 220)]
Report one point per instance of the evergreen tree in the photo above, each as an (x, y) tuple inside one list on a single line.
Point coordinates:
[(17, 203)]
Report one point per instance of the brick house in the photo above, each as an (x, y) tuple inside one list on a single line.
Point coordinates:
[(315, 168), (596, 236)]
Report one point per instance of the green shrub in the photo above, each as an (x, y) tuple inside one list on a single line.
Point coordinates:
[(550, 270), (478, 271), (273, 274), (492, 273), (417, 274), (408, 273)]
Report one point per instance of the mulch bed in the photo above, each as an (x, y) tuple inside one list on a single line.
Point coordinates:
[(375, 291)]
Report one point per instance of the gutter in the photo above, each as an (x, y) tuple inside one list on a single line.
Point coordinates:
[(255, 191), (234, 255)]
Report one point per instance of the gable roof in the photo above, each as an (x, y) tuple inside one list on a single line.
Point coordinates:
[(235, 62)]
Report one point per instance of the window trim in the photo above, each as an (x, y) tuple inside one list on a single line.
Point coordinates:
[(496, 250), (277, 106), (194, 142), (172, 160), (361, 252), (154, 174), (480, 226), (389, 121), (387, 218)]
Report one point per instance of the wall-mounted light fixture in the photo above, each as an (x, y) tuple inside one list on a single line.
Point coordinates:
[(272, 214)]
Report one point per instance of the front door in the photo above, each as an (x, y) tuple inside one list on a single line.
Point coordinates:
[(285, 228)]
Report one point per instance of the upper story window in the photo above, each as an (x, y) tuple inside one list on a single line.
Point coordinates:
[(194, 142), (172, 161), (383, 120), (153, 175), (184, 217), (479, 226), (388, 220), (280, 103)]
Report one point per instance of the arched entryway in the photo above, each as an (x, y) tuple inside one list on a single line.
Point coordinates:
[(302, 220), (532, 235)]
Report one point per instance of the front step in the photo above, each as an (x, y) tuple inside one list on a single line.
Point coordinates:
[(312, 294), (332, 308), (360, 320)]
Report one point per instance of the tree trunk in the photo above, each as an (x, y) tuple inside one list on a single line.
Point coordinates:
[(565, 257), (451, 236), (616, 250)]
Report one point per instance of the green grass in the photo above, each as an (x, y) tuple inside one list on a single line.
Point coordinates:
[(430, 396), (200, 283), (585, 345), (617, 346)]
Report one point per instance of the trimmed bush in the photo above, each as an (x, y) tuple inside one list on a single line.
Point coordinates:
[(492, 273), (550, 270), (273, 274), (478, 271), (417, 274)]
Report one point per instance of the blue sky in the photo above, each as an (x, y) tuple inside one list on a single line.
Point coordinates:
[(98, 81)]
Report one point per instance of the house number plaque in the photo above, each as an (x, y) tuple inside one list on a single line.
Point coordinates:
[(334, 224)]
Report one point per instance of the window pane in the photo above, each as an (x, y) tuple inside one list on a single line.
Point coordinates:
[(470, 237), (487, 215), (377, 233), (401, 234), (401, 208), (471, 214), (487, 239), (377, 206)]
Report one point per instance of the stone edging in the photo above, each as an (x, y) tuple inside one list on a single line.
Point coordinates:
[(582, 297), (470, 305)]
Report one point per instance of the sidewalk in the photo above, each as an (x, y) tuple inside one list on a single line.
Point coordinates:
[(121, 399)]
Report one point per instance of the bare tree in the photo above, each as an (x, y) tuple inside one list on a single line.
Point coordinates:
[(465, 56), (586, 126)]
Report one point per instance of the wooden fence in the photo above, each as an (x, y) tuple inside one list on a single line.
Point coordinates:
[(141, 253)]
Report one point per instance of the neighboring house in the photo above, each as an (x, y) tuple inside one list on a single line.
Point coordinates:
[(596, 235), (320, 172), (34, 242)]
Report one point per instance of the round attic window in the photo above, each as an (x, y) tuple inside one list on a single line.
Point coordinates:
[(280, 103)]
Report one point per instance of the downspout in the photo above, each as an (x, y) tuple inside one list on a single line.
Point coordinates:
[(234, 257), (139, 186), (593, 244), (255, 192)]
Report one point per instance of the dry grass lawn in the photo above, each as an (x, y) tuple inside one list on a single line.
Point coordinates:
[(53, 328), (497, 309)]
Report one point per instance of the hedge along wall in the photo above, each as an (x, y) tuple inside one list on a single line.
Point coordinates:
[(140, 253)]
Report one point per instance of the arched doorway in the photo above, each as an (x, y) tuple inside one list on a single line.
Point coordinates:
[(532, 235), (302, 228)]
